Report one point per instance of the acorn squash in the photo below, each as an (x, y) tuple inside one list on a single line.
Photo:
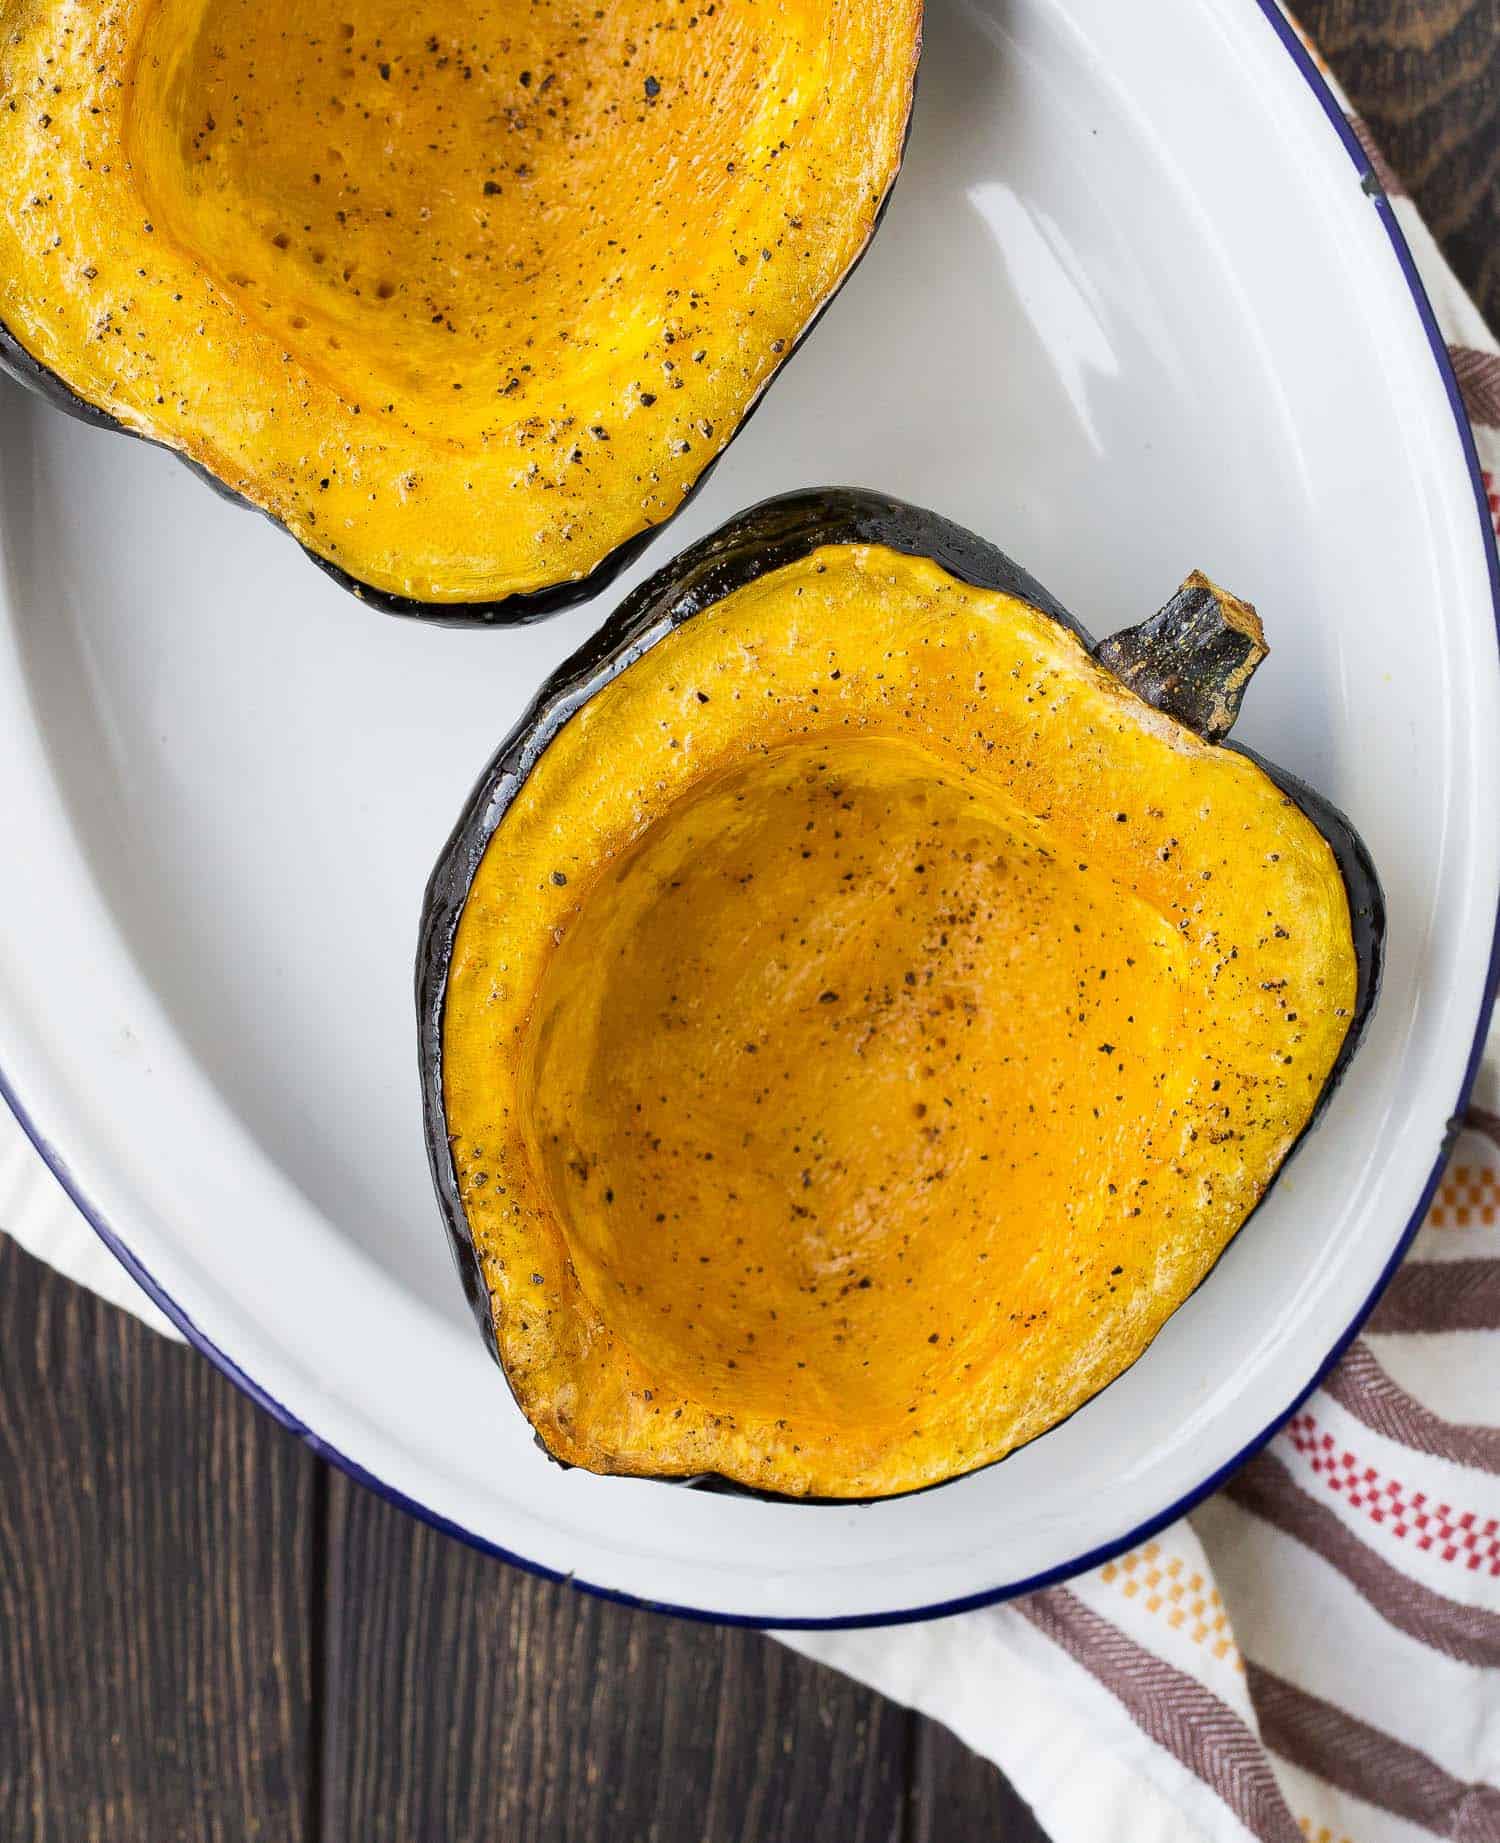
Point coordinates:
[(856, 1012), (467, 298)]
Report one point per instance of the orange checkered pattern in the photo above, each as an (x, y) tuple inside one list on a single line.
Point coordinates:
[(1167, 1585), (1321, 1833), (1468, 1197)]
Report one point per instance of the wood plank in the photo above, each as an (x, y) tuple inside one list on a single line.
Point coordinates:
[(156, 1549), (467, 1700), (1425, 75)]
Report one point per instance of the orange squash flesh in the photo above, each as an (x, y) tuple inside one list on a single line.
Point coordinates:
[(867, 1024), (466, 298)]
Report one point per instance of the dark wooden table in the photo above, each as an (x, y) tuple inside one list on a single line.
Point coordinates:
[(206, 1633)]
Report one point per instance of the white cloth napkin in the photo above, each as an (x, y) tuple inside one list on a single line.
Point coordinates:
[(1315, 1654)]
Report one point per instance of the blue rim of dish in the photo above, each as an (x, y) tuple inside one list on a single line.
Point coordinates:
[(1049, 1577)]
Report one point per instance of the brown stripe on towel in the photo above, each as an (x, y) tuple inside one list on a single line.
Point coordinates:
[(1331, 1744), (1440, 1296), (1470, 1634), (1361, 1386), (1481, 1120), (1175, 1710), (1391, 182), (1478, 375)]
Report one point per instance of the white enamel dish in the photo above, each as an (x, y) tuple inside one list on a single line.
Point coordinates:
[(1135, 309)]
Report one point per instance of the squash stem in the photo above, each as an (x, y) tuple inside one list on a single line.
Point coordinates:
[(1193, 659)]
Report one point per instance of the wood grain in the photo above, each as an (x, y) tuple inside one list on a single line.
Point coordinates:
[(1425, 75), (468, 1700), (951, 1802), (205, 1634), (156, 1573)]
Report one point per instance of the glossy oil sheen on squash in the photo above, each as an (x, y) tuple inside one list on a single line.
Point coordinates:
[(869, 1022), (466, 297)]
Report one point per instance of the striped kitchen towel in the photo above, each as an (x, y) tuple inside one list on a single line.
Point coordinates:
[(1315, 1653)]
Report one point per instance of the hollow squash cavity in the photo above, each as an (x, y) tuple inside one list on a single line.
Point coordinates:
[(467, 298), (861, 969), (867, 1023)]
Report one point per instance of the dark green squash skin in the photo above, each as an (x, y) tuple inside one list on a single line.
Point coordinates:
[(766, 538), (511, 610)]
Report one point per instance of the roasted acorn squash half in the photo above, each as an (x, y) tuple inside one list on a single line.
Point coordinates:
[(856, 1012), (467, 298)]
